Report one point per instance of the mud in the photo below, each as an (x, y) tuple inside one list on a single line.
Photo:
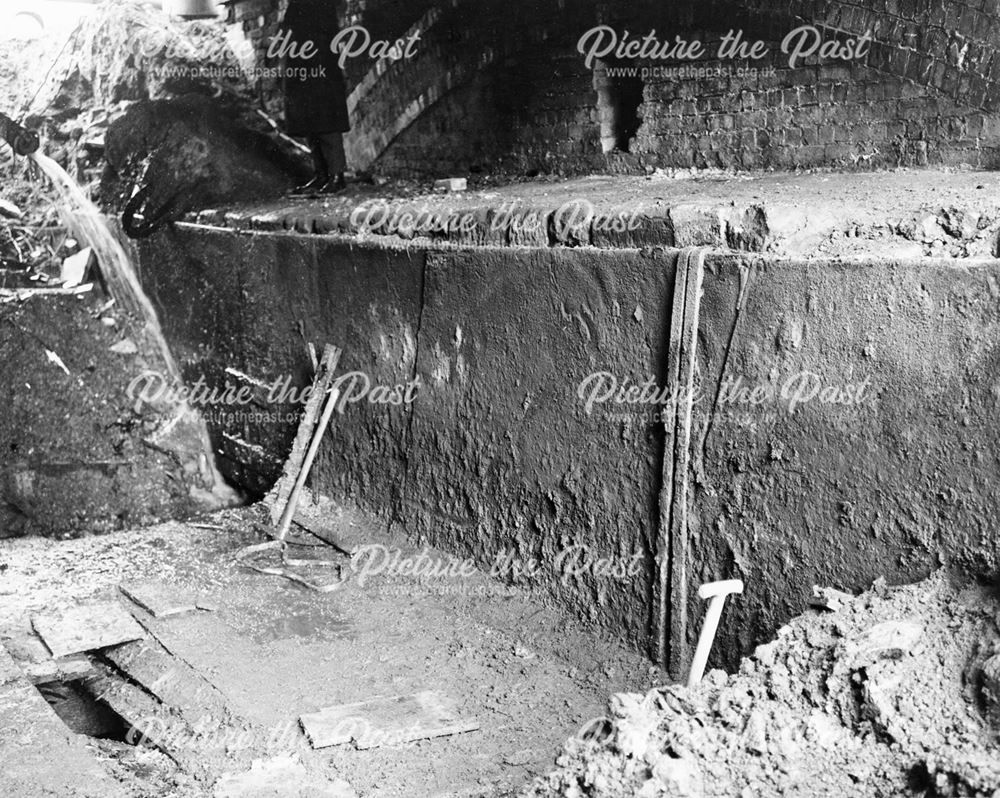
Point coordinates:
[(526, 672), (74, 460), (881, 697)]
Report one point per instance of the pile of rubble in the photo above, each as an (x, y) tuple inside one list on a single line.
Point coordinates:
[(893, 692), (122, 54), (134, 97)]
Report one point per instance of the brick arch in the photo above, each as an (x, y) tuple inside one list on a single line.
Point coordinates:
[(498, 83)]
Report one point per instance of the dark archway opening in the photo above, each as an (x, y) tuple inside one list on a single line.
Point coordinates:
[(619, 96)]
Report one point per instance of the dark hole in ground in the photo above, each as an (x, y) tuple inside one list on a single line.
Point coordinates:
[(83, 712), (919, 780)]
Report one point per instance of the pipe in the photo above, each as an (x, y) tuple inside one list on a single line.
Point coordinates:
[(22, 141)]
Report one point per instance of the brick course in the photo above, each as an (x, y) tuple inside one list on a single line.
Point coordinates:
[(500, 87)]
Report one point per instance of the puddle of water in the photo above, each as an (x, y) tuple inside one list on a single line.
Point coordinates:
[(302, 625)]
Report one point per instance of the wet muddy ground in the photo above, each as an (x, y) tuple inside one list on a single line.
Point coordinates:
[(275, 650)]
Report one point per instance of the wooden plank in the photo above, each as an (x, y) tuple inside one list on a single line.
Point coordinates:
[(679, 658), (671, 588), (86, 628), (39, 665), (386, 721), (66, 669), (172, 681), (158, 598), (673, 377), (323, 381)]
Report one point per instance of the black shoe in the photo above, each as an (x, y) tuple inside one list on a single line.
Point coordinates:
[(312, 187), (334, 186)]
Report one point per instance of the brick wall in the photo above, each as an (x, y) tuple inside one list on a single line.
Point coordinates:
[(853, 117), (499, 86), (507, 120), (949, 45), (259, 21)]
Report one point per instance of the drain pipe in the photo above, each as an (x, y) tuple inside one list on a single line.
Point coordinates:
[(23, 141)]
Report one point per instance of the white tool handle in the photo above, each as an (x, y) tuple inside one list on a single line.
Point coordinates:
[(716, 592)]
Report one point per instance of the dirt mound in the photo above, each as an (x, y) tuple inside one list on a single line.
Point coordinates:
[(894, 693), (126, 52), (181, 102), (191, 154)]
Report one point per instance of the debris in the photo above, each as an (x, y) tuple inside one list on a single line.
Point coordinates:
[(451, 184), (991, 688), (126, 346), (76, 267), (105, 307), (281, 775), (294, 577), (848, 702), (523, 652), (40, 666), (829, 598), (24, 294), (54, 358), (888, 640), (10, 210), (386, 721), (86, 628), (322, 382), (159, 599)]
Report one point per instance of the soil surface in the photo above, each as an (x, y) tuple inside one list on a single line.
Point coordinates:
[(275, 650), (74, 461), (891, 694)]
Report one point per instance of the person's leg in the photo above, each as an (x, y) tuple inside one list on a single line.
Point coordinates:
[(333, 151), (321, 167)]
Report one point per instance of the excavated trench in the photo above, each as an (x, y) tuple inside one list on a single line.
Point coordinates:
[(785, 380), (532, 384)]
